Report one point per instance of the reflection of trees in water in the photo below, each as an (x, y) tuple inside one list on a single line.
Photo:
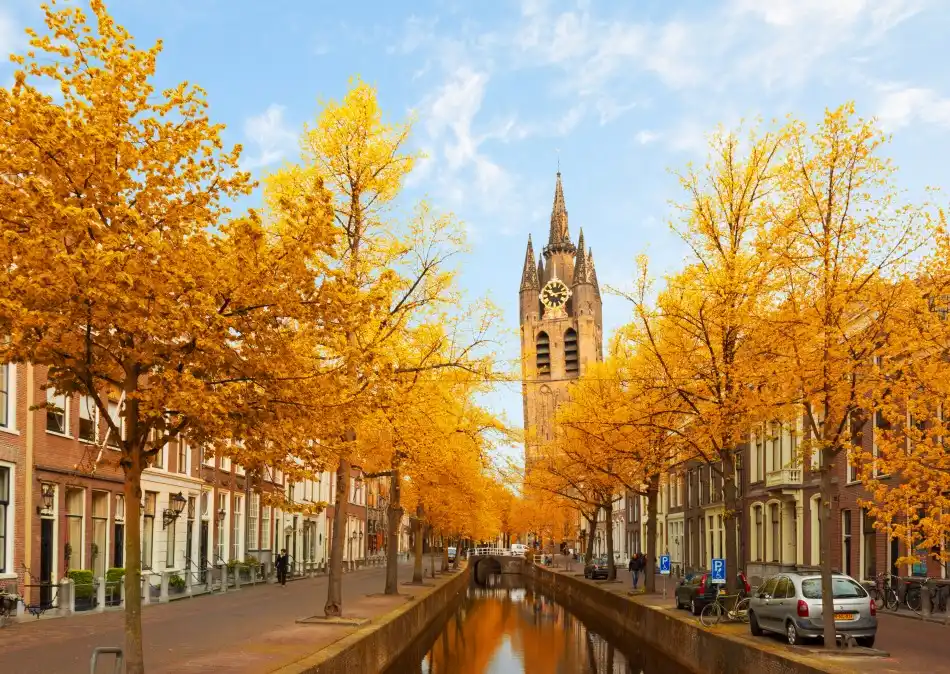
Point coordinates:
[(542, 635)]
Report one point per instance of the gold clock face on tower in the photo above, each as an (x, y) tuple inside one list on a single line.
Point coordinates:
[(555, 294)]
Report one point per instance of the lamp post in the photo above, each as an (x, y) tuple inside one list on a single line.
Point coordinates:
[(177, 503), (48, 494)]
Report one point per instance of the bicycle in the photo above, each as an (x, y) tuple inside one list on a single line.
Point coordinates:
[(912, 598), (883, 593), (713, 613)]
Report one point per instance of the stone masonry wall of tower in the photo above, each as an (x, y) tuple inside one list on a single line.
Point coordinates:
[(560, 334)]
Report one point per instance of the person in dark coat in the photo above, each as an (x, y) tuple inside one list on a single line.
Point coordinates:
[(635, 566), (281, 564)]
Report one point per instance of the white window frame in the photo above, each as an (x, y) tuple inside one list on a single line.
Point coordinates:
[(56, 398), (7, 572), (84, 401), (9, 373)]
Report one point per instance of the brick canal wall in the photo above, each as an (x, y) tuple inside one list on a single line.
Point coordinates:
[(374, 647), (677, 637)]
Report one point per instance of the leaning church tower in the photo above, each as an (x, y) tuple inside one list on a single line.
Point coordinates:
[(561, 324)]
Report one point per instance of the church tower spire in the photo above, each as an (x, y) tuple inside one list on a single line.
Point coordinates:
[(581, 273), (559, 238), (529, 277)]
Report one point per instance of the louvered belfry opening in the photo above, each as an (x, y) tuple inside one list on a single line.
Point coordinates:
[(543, 356), (571, 362)]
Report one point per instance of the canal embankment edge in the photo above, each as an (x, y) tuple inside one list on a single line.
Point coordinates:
[(375, 646), (677, 637)]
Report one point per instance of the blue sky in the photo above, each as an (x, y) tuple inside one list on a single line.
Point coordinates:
[(623, 91)]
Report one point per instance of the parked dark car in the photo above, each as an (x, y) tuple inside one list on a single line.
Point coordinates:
[(699, 590), (596, 568)]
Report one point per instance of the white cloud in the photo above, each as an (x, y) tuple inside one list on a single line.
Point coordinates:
[(901, 106), (272, 137), (11, 34), (645, 137)]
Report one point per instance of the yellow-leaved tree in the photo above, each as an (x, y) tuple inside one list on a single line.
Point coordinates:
[(846, 247), (702, 332), (394, 272), (122, 271)]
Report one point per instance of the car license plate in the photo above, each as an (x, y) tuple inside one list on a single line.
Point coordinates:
[(844, 616)]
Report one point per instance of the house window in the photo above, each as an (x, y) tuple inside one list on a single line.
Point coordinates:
[(815, 529), (118, 538), (205, 502), (265, 528), (236, 527), (100, 526), (115, 416), (170, 545), (253, 510), (869, 544), (56, 412), (181, 450), (148, 529), (75, 515), (222, 509), (7, 398), (6, 515), (759, 551), (158, 460), (776, 533), (846, 541), (88, 419)]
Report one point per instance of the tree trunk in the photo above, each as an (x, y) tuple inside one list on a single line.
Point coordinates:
[(729, 521), (134, 657), (609, 533), (420, 528), (458, 553), (395, 524), (827, 596), (431, 555), (592, 529), (445, 556), (649, 567), (334, 605)]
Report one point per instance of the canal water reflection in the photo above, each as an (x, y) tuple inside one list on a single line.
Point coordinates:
[(506, 628)]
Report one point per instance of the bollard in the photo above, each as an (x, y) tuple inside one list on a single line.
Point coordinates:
[(189, 578), (122, 592), (101, 595), (114, 650), (926, 606), (67, 599), (163, 587), (237, 577), (146, 590)]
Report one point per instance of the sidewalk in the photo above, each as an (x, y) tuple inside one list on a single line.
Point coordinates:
[(914, 646), (253, 630)]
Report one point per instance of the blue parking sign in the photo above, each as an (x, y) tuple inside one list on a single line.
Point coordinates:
[(665, 565), (718, 570)]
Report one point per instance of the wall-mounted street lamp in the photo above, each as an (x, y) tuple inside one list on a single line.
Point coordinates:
[(177, 503), (222, 514), (48, 493)]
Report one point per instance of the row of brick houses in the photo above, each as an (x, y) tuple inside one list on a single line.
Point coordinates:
[(62, 505), (778, 525)]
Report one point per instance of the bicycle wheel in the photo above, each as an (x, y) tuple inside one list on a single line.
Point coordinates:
[(741, 612), (912, 598), (891, 601), (711, 614)]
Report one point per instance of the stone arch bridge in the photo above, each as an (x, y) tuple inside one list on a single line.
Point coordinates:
[(487, 561)]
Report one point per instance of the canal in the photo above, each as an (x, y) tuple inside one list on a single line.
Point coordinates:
[(508, 628)]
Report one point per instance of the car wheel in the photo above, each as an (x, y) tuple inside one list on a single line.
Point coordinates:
[(754, 626), (867, 642), (693, 607), (679, 604), (791, 633)]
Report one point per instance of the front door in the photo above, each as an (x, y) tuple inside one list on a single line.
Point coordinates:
[(46, 562), (118, 542), (203, 551)]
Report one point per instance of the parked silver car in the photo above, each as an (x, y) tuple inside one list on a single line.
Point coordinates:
[(790, 604)]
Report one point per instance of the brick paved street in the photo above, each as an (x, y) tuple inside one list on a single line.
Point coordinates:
[(252, 630)]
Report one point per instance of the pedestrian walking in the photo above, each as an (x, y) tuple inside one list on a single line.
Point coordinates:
[(281, 564), (635, 566)]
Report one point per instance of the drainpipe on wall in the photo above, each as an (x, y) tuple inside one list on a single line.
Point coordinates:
[(28, 474)]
